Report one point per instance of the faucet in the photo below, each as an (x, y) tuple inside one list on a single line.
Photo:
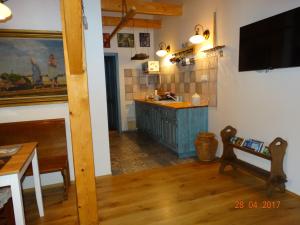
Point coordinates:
[(169, 96)]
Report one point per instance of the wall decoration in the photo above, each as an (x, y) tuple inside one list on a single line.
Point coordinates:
[(144, 39), (125, 40), (106, 40), (32, 68)]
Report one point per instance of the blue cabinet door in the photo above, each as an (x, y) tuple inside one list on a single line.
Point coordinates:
[(175, 128)]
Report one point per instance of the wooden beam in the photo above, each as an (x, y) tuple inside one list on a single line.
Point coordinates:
[(130, 14), (143, 23), (73, 38), (79, 108), (142, 7)]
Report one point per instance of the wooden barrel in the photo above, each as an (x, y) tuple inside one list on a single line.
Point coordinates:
[(206, 146)]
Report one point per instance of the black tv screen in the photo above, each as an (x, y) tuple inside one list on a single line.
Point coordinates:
[(271, 43)]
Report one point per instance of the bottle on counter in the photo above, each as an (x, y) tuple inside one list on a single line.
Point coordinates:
[(196, 99)]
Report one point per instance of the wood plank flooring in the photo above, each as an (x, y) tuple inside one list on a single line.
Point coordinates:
[(185, 194)]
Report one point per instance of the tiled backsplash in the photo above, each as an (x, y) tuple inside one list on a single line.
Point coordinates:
[(138, 84), (200, 78)]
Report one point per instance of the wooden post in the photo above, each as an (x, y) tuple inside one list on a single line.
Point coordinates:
[(79, 111)]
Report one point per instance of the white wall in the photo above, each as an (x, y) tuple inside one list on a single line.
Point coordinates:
[(124, 55), (97, 87), (259, 105), (45, 15)]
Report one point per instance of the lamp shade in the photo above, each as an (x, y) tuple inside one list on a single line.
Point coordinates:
[(4, 12), (196, 39), (161, 53)]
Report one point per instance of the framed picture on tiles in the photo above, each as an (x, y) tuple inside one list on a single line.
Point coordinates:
[(125, 40), (144, 39), (106, 40)]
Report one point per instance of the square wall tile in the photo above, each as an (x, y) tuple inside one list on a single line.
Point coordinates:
[(177, 87), (181, 87), (135, 88), (199, 88), (128, 80), (135, 72), (172, 78), (129, 97), (186, 77), (213, 75), (143, 87), (173, 88), (128, 72), (177, 77), (128, 88), (198, 75), (168, 78), (192, 76), (181, 77), (204, 87), (186, 88), (134, 80), (192, 88), (143, 80), (169, 87)]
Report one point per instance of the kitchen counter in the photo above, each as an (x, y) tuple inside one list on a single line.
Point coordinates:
[(173, 105)]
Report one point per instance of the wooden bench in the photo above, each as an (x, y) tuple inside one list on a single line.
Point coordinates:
[(52, 144)]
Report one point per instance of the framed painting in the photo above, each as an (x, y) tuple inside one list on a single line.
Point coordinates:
[(144, 39), (106, 40), (32, 69), (125, 40)]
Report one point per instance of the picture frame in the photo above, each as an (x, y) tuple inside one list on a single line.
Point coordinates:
[(125, 40), (144, 39), (106, 40), (32, 69)]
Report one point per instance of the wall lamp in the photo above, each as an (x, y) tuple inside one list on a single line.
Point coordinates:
[(5, 12), (163, 49), (199, 37)]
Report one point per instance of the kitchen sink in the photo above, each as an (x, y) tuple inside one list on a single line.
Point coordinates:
[(166, 102)]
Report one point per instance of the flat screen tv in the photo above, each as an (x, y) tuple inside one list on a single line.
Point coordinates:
[(271, 43)]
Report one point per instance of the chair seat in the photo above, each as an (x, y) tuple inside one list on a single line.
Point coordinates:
[(5, 195)]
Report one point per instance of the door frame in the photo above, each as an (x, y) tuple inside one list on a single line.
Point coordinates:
[(116, 56)]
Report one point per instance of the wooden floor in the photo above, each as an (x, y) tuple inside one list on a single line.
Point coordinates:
[(186, 194)]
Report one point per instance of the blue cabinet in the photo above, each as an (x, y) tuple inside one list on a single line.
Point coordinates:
[(174, 128)]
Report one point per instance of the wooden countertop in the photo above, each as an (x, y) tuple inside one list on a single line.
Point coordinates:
[(173, 105), (17, 161)]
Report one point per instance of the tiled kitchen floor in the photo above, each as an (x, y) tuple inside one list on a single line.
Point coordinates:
[(133, 151)]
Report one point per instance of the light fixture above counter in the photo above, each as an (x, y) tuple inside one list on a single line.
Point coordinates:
[(163, 49), (199, 37), (5, 12)]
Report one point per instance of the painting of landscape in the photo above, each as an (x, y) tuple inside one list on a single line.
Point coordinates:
[(32, 68)]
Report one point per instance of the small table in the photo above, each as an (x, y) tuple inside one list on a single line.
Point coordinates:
[(12, 173)]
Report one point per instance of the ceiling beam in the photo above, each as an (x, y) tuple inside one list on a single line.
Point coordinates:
[(142, 7), (142, 23), (130, 14)]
